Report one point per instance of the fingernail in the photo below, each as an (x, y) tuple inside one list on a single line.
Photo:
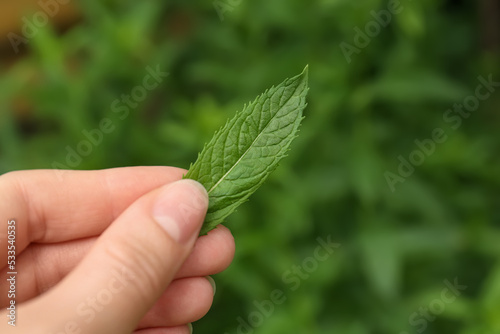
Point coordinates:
[(212, 283), (190, 326), (180, 209)]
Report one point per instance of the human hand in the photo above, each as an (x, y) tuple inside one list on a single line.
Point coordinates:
[(111, 251)]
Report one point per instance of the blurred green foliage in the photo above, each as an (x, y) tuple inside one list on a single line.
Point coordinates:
[(397, 248)]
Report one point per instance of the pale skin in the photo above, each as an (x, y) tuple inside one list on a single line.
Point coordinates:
[(110, 251)]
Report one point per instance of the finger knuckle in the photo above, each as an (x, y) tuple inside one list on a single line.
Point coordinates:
[(141, 263)]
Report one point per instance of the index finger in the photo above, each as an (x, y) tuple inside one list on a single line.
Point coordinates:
[(48, 208)]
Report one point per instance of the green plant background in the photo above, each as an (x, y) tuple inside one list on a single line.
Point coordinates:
[(397, 248)]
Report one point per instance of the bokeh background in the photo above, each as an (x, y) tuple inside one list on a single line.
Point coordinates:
[(397, 246)]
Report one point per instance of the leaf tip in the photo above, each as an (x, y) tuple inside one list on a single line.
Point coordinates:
[(305, 72)]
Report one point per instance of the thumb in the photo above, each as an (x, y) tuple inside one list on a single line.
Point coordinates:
[(130, 266)]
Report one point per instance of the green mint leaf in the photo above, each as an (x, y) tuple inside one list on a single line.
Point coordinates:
[(248, 148)]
